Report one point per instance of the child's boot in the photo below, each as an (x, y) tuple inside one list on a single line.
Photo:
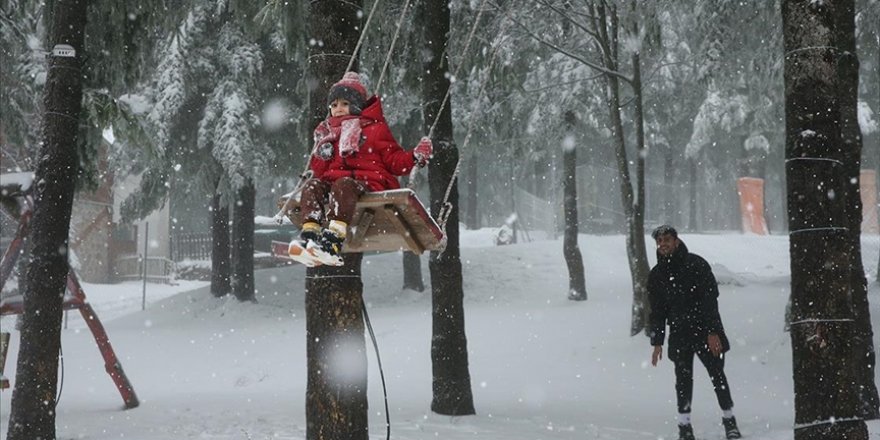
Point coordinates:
[(328, 250), (298, 248)]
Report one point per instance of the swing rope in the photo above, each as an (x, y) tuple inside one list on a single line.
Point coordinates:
[(357, 46), (446, 206), (307, 173), (391, 48)]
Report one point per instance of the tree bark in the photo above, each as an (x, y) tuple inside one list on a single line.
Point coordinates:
[(639, 267), (221, 274), (826, 397), (243, 243), (335, 25), (577, 288), (863, 355), (32, 414), (336, 394), (412, 272), (452, 382), (336, 391)]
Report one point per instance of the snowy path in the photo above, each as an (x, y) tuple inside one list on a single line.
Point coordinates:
[(542, 367)]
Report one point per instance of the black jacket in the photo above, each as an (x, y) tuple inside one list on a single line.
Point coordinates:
[(684, 294)]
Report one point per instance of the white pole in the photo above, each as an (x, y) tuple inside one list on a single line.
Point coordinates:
[(146, 250)]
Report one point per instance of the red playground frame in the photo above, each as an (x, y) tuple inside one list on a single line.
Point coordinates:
[(74, 298)]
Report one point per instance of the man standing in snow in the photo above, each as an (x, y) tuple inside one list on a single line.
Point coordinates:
[(684, 294)]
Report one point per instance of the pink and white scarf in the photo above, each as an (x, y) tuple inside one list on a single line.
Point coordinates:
[(345, 129)]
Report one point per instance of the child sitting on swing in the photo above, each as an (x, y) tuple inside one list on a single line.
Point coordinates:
[(354, 152)]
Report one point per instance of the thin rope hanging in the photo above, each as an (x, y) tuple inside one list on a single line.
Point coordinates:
[(467, 45), (357, 46), (307, 173), (445, 206), (391, 48), (415, 170)]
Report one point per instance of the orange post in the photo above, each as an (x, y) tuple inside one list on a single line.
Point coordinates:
[(868, 190), (751, 205)]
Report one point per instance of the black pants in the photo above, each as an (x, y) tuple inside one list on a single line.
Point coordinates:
[(684, 379)]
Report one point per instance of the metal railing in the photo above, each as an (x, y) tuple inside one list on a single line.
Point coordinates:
[(193, 246)]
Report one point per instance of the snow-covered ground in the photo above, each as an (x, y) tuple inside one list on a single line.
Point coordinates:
[(542, 367)]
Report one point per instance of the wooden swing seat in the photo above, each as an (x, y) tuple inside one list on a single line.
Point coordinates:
[(385, 221)]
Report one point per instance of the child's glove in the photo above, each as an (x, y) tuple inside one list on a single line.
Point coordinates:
[(423, 151)]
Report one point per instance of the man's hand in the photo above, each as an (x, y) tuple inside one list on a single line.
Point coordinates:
[(656, 355), (714, 343)]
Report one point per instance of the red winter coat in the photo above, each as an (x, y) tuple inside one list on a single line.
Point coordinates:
[(378, 159)]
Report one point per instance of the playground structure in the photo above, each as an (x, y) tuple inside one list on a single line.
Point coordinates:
[(18, 203)]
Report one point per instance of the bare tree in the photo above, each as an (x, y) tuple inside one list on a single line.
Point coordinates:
[(826, 401), (32, 413), (600, 23), (577, 288), (449, 356)]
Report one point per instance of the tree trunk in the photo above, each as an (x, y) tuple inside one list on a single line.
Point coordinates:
[(221, 275), (243, 243), (473, 218), (826, 398), (412, 272), (632, 201), (639, 254), (32, 414), (336, 399), (452, 381), (577, 288), (336, 391), (336, 25), (864, 358)]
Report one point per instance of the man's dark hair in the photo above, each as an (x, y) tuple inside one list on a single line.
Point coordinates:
[(664, 230)]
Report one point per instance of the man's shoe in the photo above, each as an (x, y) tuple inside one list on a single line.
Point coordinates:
[(730, 428), (685, 432)]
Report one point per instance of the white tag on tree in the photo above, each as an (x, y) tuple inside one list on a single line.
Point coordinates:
[(63, 50)]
